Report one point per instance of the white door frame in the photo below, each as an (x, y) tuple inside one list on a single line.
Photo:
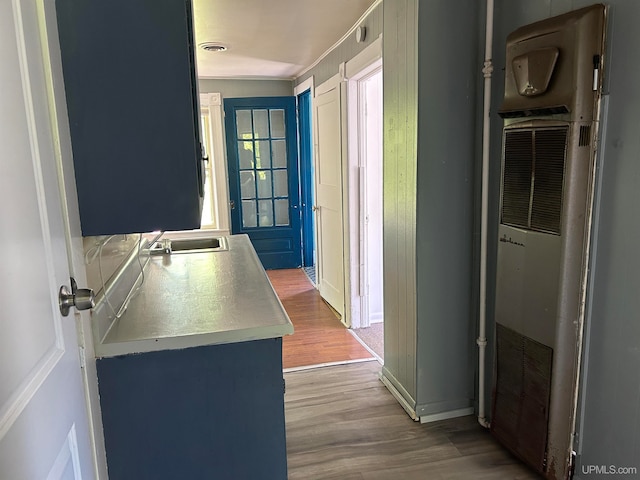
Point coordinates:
[(308, 84), (360, 198), (357, 69)]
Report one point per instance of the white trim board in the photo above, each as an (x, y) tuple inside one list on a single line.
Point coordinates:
[(399, 397), (327, 364), (357, 65), (308, 84)]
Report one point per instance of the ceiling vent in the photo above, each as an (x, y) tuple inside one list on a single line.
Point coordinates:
[(213, 47)]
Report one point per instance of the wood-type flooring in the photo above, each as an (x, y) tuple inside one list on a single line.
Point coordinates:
[(343, 424), (319, 337)]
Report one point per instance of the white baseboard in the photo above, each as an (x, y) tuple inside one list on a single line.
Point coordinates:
[(398, 396)]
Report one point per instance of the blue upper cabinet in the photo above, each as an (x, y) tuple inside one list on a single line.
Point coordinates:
[(132, 96)]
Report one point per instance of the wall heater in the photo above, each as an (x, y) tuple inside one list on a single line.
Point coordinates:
[(550, 107)]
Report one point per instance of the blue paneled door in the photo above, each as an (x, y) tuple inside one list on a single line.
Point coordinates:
[(262, 154)]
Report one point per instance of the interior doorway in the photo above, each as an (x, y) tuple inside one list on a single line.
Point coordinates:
[(365, 158), (306, 181), (370, 113)]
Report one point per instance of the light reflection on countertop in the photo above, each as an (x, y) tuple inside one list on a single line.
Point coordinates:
[(199, 298)]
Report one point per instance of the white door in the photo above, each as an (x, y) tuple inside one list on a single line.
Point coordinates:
[(328, 182), (44, 431)]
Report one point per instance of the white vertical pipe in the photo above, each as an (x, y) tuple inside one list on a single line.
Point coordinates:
[(486, 130)]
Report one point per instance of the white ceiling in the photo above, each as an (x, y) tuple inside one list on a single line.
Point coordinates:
[(270, 38)]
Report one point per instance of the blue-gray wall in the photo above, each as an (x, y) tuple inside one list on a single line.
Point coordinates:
[(238, 88), (608, 430), (448, 69), (431, 67)]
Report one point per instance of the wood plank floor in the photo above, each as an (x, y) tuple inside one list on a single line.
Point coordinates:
[(319, 336), (342, 423)]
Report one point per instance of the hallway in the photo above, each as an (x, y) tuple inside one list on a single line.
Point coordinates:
[(343, 424), (319, 338)]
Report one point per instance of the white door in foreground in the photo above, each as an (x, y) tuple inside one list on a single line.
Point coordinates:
[(44, 431)]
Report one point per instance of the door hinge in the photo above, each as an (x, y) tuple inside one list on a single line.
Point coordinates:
[(83, 357), (572, 464)]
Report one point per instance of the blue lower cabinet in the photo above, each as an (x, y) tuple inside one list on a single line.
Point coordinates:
[(212, 412)]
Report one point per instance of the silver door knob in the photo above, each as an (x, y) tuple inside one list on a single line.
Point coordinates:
[(81, 298)]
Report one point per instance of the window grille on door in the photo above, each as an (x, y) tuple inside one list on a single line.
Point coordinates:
[(262, 158)]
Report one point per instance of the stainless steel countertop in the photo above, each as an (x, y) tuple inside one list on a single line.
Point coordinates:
[(195, 299)]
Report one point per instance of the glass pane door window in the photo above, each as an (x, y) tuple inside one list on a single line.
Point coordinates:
[(262, 155)]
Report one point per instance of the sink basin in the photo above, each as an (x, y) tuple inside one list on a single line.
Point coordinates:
[(195, 244), (189, 245)]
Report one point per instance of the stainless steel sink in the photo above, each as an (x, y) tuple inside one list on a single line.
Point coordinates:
[(189, 245)]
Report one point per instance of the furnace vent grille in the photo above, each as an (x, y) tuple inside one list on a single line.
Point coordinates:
[(533, 178), (521, 397), (518, 172), (585, 136)]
